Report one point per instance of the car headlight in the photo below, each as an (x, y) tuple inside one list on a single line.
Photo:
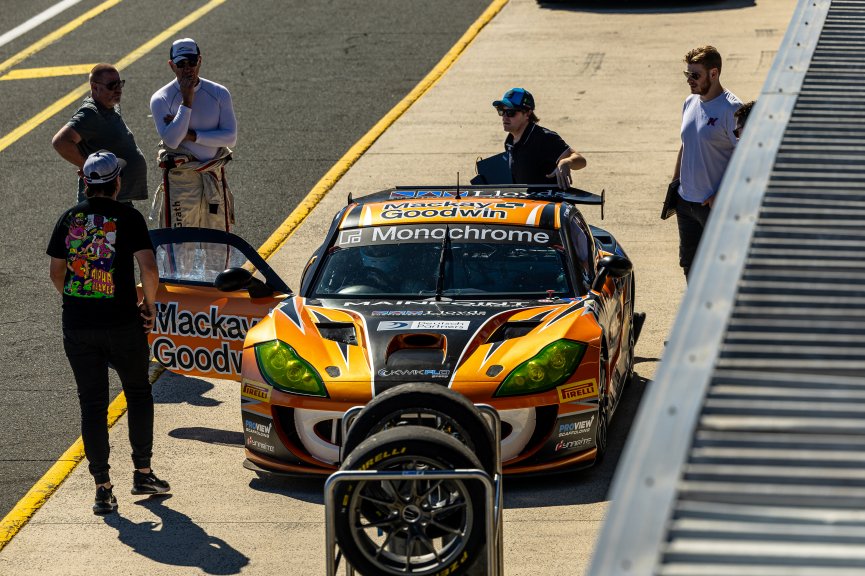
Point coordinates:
[(545, 370), (285, 370)]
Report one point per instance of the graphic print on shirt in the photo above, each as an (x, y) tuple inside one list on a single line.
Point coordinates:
[(90, 257)]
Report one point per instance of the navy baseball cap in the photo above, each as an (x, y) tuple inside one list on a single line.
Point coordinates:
[(102, 167), (516, 98), (184, 49)]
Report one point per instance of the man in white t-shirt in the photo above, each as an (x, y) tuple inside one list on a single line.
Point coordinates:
[(708, 141), (195, 119)]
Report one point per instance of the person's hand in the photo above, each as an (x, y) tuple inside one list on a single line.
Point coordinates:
[(168, 118), (187, 90), (562, 174), (709, 201), (148, 315), (191, 135)]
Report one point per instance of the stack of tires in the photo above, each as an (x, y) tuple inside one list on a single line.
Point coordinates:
[(415, 525)]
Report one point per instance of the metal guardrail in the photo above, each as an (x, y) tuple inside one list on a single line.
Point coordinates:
[(748, 455)]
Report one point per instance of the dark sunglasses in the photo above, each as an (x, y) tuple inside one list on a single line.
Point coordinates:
[(113, 85), (187, 64), (509, 112), (691, 75)]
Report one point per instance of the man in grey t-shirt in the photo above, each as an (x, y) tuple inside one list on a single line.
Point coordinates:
[(98, 125), (708, 141)]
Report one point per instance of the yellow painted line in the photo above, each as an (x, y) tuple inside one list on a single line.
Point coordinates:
[(329, 180), (57, 34), (59, 471), (124, 62), (47, 72)]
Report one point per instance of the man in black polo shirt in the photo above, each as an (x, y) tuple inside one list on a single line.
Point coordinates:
[(536, 155), (92, 251)]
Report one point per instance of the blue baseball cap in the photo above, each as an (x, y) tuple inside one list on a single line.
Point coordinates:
[(102, 167), (516, 98)]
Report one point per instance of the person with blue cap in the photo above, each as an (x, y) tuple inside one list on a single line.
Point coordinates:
[(536, 155)]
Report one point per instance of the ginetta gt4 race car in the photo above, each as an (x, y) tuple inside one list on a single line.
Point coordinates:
[(502, 293)]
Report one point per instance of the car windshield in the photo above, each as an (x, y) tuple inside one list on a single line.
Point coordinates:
[(524, 263)]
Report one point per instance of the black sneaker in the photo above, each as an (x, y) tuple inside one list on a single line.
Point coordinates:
[(148, 484), (105, 503)]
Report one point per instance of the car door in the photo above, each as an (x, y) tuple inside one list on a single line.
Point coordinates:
[(200, 329)]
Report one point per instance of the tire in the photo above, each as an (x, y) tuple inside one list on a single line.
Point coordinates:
[(417, 526), (452, 413), (602, 429)]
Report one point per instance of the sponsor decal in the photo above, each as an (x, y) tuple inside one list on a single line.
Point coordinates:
[(174, 356), (571, 444), (256, 391), (384, 373), (256, 428), (461, 303), (424, 325), (409, 194), (577, 391), (349, 237), (574, 428), (467, 233), (429, 313), (259, 445), (448, 209), (172, 321)]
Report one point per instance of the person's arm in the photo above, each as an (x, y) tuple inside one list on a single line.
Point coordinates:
[(172, 128), (65, 142), (569, 160), (149, 284), (226, 133), (57, 271)]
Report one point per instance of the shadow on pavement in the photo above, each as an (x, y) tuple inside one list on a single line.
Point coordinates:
[(298, 487), (582, 486), (209, 435), (643, 7), (176, 540), (173, 388)]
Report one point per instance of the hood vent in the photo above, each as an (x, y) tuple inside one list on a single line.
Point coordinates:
[(510, 330), (416, 350), (338, 332)]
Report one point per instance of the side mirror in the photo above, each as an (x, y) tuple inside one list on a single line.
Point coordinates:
[(235, 279), (613, 265)]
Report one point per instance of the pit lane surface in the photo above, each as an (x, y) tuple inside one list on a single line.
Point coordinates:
[(307, 78), (609, 81)]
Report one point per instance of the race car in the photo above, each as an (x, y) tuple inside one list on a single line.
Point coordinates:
[(504, 294)]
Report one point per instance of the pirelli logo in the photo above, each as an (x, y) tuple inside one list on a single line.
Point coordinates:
[(578, 391), (255, 391)]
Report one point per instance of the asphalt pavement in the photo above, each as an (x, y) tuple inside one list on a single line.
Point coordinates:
[(307, 79), (608, 79)]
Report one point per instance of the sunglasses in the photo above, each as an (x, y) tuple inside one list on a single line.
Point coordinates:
[(113, 85), (187, 64), (691, 75), (509, 112)]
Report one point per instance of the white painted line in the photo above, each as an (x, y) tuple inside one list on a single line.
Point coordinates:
[(36, 21)]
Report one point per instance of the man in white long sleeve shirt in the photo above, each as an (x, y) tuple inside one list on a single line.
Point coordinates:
[(195, 119)]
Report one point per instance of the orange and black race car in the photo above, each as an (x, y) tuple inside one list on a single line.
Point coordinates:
[(502, 293)]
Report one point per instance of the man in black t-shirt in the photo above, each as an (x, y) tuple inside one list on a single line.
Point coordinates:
[(92, 250), (536, 155)]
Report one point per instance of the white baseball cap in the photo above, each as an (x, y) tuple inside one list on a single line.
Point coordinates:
[(184, 49), (102, 167)]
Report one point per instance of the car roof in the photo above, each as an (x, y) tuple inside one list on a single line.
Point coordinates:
[(535, 206)]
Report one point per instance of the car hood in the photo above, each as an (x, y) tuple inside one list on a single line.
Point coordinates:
[(387, 342)]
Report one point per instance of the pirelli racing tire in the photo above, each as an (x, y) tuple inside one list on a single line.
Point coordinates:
[(419, 527), (425, 404), (602, 429)]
